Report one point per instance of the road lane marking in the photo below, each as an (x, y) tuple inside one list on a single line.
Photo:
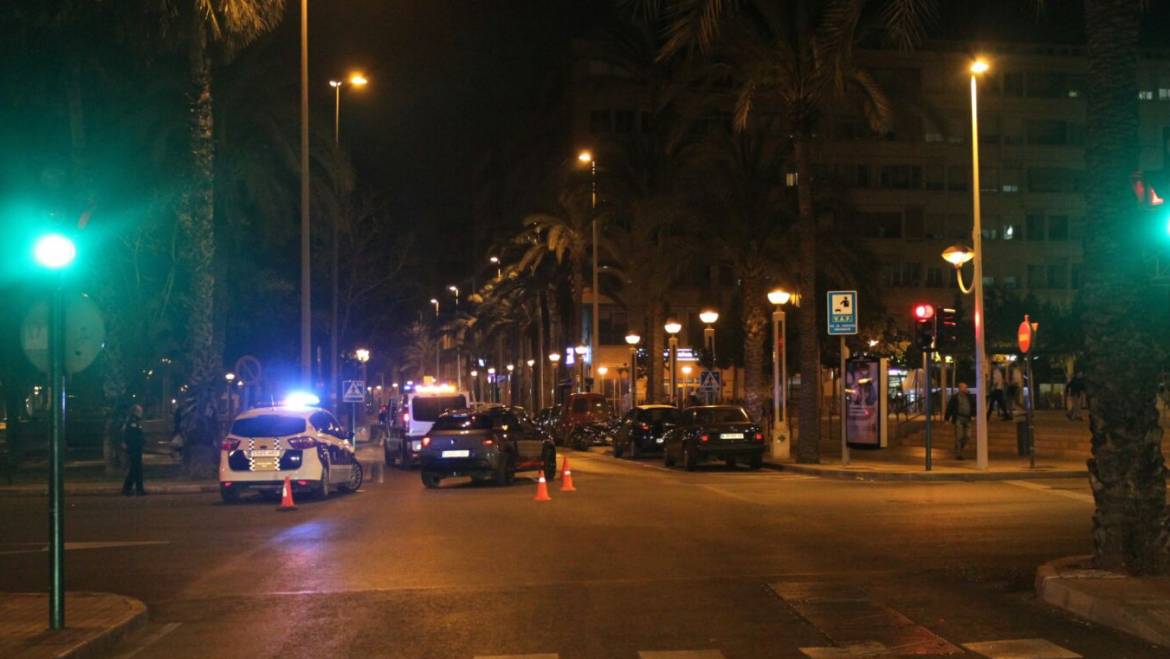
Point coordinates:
[(867, 649), (151, 639), (73, 546), (680, 654), (546, 655), (732, 495), (1021, 648), (1075, 496)]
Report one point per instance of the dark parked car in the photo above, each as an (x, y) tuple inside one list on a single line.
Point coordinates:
[(487, 444), (723, 432), (546, 419), (584, 421), (642, 430)]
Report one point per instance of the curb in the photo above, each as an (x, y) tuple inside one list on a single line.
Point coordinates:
[(105, 640), (104, 490), (1060, 591), (86, 641), (844, 473)]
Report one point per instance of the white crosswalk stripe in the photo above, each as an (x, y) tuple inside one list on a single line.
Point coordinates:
[(1021, 648), (680, 654), (546, 655)]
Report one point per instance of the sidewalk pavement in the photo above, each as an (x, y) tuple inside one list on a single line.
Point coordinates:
[(907, 463), (109, 488), (94, 623), (1135, 605)]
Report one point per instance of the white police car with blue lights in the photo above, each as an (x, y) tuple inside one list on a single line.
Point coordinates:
[(298, 441)]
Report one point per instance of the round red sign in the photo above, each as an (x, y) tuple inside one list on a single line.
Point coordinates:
[(1024, 335)]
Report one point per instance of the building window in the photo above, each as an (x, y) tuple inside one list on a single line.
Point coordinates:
[(932, 136), (1009, 179), (879, 225), (1163, 94), (1074, 279), (1056, 276), (935, 177), (915, 223), (1013, 84), (790, 179), (1009, 232), (1146, 95), (1035, 227), (623, 121), (599, 121), (1046, 132), (957, 178), (934, 277), (1047, 85), (900, 177), (1009, 281), (1036, 276), (1057, 227), (959, 226), (989, 130), (935, 227), (989, 179), (1053, 179), (905, 275)]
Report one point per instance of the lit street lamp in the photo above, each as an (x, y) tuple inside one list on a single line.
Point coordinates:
[(780, 444), (709, 318), (580, 352), (495, 260), (363, 357), (978, 67), (554, 359), (230, 378), (632, 340), (587, 157), (673, 327), (492, 383), (531, 384), (458, 355), (56, 252)]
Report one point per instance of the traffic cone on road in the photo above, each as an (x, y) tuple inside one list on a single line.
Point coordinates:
[(286, 498), (542, 490), (567, 477)]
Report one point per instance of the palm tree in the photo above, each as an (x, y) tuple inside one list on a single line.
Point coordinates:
[(797, 56), (1127, 470)]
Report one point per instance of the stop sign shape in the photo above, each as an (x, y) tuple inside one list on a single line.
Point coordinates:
[(1024, 335)]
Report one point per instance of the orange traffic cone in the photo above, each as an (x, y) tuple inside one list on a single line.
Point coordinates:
[(286, 498), (567, 477), (542, 490)]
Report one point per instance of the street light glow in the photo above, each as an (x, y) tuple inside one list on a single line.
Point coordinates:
[(672, 327), (603, 370), (779, 296), (633, 339), (580, 350), (229, 376), (709, 316), (362, 354), (358, 79), (495, 260), (54, 251), (958, 254), (335, 83), (531, 363), (585, 156), (554, 357), (979, 66)]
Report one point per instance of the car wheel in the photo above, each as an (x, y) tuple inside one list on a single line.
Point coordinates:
[(690, 460), (324, 486), (617, 450), (389, 456), (577, 440), (667, 458), (731, 462), (229, 495), (634, 452), (550, 464), (505, 470), (356, 477), (404, 455), (430, 480), (756, 461)]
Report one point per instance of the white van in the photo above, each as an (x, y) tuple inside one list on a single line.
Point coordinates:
[(419, 411)]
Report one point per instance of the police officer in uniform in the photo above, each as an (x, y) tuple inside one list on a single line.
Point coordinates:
[(133, 441)]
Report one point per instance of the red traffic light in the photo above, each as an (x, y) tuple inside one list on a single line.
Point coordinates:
[(924, 311)]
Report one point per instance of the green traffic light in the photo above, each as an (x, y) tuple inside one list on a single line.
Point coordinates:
[(54, 251)]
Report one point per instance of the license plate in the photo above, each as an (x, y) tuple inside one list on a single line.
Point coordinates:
[(265, 453), (731, 435), (457, 454)]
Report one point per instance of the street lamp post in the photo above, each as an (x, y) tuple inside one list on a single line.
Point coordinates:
[(978, 67), (554, 358), (531, 384), (230, 378), (580, 352), (56, 252), (495, 260), (587, 156), (492, 384), (475, 384), (602, 370), (355, 80), (709, 318), (780, 444), (458, 354), (363, 357), (632, 340), (306, 295), (673, 327), (438, 344), (511, 383)]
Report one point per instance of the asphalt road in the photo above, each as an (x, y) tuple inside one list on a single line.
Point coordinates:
[(639, 560)]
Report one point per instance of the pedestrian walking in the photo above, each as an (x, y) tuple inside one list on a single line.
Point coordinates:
[(1074, 396), (960, 411), (133, 441), (996, 397)]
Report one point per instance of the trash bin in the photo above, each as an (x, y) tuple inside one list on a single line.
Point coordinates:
[(1022, 440)]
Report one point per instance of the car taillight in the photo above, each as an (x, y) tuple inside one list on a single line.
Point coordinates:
[(644, 426), (704, 438), (759, 437), (304, 441), (406, 416), (489, 441), (230, 444), (426, 441)]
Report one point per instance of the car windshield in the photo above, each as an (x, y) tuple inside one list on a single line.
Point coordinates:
[(463, 422), (660, 415), (430, 407), (268, 425), (705, 415), (597, 406)]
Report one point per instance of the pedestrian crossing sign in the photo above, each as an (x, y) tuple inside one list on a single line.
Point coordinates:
[(354, 391), (709, 381), (842, 310)]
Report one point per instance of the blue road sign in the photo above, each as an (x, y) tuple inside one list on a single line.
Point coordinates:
[(842, 310)]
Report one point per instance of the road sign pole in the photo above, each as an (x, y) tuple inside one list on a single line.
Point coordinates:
[(56, 484), (926, 377), (844, 406)]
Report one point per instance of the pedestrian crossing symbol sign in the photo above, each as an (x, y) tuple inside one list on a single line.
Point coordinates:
[(354, 391), (709, 382), (842, 312)]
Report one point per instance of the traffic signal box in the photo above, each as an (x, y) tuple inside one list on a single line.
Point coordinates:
[(947, 331), (925, 326)]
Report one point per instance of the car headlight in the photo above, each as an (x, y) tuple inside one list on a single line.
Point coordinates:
[(416, 446), (660, 440)]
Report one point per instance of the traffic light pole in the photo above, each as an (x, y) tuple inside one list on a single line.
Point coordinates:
[(56, 438), (926, 377)]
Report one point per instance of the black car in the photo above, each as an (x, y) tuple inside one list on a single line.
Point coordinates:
[(642, 430), (722, 432), (487, 444)]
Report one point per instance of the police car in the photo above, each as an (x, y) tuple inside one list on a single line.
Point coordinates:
[(297, 441), (420, 409)]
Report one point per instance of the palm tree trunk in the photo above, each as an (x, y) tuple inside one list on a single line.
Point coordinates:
[(654, 373), (577, 331), (755, 322), (1127, 470), (197, 220), (808, 442)]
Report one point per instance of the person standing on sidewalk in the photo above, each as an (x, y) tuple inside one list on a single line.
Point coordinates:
[(1074, 393), (960, 410), (133, 441)]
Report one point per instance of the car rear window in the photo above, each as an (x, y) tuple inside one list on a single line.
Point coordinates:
[(268, 425), (721, 415), (589, 404), (463, 422), (658, 415), (430, 407)]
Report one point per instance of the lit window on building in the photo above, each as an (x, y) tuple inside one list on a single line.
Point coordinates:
[(1009, 232), (1146, 95), (1163, 94)]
